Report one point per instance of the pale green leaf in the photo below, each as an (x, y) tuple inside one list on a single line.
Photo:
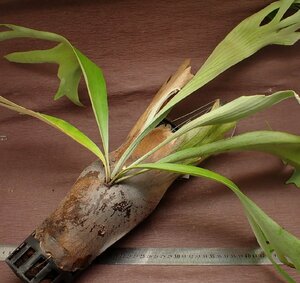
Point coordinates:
[(69, 71), (263, 242), (285, 146), (60, 54), (243, 41), (59, 124), (233, 111), (72, 63), (270, 235), (97, 89), (203, 135), (295, 178), (22, 32)]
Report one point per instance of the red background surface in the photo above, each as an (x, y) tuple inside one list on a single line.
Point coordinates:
[(139, 44)]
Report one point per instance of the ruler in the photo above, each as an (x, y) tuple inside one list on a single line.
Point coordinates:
[(175, 256)]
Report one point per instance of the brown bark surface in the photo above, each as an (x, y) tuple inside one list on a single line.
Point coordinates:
[(139, 44)]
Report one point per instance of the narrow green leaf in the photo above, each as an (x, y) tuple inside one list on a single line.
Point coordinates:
[(263, 242), (295, 178), (270, 235), (22, 32), (286, 245), (130, 149), (233, 111), (242, 42), (236, 110), (205, 134), (97, 89), (59, 124), (285, 146), (72, 64), (69, 71)]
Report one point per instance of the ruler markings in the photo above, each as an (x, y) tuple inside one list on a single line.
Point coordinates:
[(175, 256)]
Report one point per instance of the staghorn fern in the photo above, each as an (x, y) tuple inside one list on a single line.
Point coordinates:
[(139, 172)]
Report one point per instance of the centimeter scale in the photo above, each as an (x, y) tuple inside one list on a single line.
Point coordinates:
[(175, 256)]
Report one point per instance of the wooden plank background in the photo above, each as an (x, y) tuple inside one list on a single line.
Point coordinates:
[(139, 44)]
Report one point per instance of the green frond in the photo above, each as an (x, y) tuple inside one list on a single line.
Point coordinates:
[(72, 65)]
